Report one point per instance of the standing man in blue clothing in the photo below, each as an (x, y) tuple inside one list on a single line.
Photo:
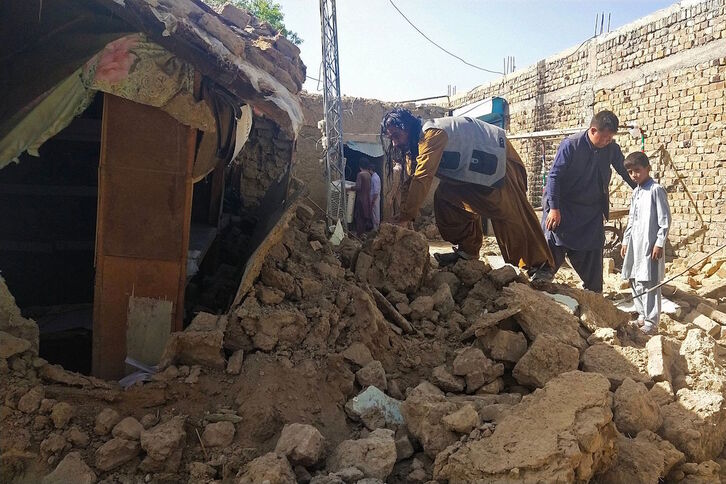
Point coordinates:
[(576, 200)]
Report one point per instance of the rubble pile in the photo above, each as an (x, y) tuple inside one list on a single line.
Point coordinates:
[(365, 363), (707, 274), (426, 224)]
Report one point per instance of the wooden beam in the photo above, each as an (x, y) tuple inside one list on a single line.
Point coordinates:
[(144, 216)]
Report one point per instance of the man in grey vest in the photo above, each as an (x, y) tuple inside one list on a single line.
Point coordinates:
[(481, 175)]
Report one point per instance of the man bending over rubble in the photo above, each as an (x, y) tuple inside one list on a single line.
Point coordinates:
[(481, 175)]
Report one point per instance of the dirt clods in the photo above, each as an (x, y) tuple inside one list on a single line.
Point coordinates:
[(367, 363)]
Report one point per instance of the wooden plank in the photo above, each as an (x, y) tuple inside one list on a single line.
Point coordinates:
[(254, 264), (144, 215), (123, 278), (149, 326), (144, 138), (187, 161), (488, 320), (390, 312)]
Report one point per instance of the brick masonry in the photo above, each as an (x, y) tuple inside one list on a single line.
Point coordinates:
[(666, 73)]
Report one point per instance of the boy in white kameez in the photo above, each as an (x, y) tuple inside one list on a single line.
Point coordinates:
[(644, 242)]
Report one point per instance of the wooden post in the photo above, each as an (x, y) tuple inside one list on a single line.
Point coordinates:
[(144, 215)]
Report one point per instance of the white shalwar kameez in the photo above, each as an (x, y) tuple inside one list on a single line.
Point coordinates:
[(648, 223)]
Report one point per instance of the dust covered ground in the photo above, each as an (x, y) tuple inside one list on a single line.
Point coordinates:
[(367, 363)]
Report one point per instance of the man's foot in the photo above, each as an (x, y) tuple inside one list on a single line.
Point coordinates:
[(649, 328), (636, 323), (543, 273), (449, 258), (446, 259)]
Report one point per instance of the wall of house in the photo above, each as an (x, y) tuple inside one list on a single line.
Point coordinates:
[(361, 122), (664, 72), (263, 161)]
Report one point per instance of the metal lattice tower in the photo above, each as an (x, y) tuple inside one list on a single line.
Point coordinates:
[(333, 114)]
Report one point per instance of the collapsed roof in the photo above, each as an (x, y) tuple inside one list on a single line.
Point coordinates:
[(45, 43)]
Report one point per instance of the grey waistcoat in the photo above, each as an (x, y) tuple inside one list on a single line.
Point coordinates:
[(475, 152)]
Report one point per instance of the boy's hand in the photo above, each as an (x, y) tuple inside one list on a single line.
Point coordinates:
[(623, 250), (657, 253)]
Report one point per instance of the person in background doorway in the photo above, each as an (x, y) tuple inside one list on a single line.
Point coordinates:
[(481, 175), (375, 194), (362, 217), (576, 200), (644, 242)]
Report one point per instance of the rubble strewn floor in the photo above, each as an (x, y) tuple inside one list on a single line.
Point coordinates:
[(366, 363)]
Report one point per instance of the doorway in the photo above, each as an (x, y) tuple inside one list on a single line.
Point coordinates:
[(48, 208)]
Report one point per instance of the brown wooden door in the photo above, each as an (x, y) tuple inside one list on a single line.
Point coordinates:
[(144, 211)]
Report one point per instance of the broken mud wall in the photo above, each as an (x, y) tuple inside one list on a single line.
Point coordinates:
[(361, 122), (367, 363), (263, 164), (666, 72)]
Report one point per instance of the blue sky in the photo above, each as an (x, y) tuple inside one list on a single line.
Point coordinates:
[(383, 57)]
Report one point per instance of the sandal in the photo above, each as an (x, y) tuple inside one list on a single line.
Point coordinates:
[(649, 329), (544, 274), (446, 259)]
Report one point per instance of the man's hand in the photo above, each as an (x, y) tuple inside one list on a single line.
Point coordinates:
[(553, 219), (623, 250), (657, 253)]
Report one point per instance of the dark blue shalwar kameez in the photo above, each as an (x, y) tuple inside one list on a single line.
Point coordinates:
[(577, 185)]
